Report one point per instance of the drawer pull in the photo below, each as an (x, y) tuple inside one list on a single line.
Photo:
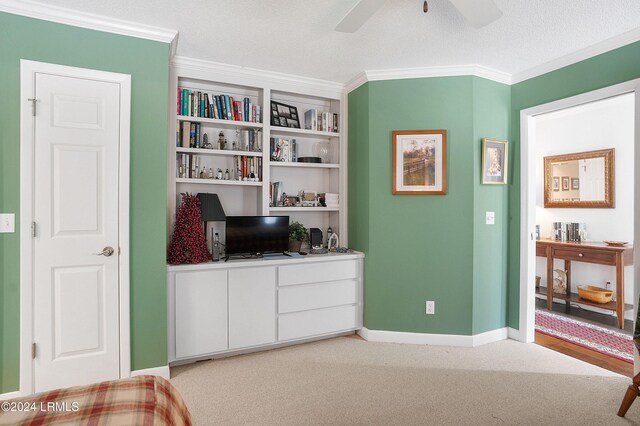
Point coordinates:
[(580, 255)]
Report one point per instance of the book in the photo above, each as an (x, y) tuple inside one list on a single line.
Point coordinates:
[(186, 134), (206, 105), (311, 119), (227, 108)]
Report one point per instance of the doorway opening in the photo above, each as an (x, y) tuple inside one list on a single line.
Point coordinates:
[(563, 228)]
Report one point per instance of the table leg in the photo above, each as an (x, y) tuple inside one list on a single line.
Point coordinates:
[(549, 280), (567, 267), (620, 290)]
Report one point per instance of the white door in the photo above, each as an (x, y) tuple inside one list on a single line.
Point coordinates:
[(76, 304)]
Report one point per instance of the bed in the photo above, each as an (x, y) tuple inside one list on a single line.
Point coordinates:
[(141, 400)]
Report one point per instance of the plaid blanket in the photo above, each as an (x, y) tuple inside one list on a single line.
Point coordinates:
[(142, 400)]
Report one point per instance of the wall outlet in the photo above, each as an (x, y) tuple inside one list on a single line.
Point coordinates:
[(430, 307), (491, 218), (7, 223)]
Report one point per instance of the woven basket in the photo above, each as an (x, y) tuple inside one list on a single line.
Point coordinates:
[(595, 294)]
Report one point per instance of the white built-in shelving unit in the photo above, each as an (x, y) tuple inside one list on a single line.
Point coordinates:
[(252, 198)]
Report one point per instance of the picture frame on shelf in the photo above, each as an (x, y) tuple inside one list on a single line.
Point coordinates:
[(283, 115), (495, 161), (565, 183), (575, 183), (419, 162), (556, 183)]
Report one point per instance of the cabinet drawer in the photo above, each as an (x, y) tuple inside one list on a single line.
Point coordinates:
[(322, 321), (601, 257), (541, 251), (314, 296), (317, 272)]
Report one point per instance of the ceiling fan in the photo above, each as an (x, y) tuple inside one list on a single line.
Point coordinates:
[(478, 12)]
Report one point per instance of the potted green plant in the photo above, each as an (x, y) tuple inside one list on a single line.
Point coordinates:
[(297, 235)]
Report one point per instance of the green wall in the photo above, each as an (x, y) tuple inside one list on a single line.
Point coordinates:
[(148, 64), (490, 120), (604, 70), (421, 247)]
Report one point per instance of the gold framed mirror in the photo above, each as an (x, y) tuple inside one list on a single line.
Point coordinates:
[(580, 180)]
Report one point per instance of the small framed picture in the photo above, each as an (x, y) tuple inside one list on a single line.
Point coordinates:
[(575, 183), (565, 183), (556, 183), (419, 162), (495, 158), (283, 115)]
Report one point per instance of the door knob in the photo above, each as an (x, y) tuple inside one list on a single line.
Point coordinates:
[(107, 251)]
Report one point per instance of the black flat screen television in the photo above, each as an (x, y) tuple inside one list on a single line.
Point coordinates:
[(256, 235)]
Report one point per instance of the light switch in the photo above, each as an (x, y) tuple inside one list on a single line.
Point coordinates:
[(7, 223), (491, 218)]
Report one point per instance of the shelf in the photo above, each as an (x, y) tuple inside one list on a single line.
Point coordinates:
[(305, 165), (275, 130), (202, 151), (221, 123), (304, 209), (217, 182), (575, 298)]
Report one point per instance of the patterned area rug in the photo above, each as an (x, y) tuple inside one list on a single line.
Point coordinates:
[(600, 339)]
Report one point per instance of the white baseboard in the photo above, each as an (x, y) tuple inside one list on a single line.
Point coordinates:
[(433, 339), (513, 333), (162, 371), (9, 395)]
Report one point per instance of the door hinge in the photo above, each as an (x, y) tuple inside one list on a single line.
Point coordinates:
[(33, 229), (33, 105), (33, 351)]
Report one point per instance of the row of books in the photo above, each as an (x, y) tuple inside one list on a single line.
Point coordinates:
[(321, 121), (244, 168), (569, 231), (223, 107), (190, 135), (283, 149)]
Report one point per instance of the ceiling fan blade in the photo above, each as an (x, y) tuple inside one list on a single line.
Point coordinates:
[(358, 15), (478, 12)]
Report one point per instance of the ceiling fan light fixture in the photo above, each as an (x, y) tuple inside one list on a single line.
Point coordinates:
[(425, 6)]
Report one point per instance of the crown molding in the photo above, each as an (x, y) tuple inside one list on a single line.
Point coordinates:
[(256, 77), (90, 21), (426, 72), (578, 56)]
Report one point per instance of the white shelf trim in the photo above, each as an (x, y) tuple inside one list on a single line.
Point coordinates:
[(305, 165), (275, 130), (217, 121), (304, 209), (202, 151), (217, 182)]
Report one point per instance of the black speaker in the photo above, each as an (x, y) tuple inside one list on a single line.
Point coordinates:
[(316, 237)]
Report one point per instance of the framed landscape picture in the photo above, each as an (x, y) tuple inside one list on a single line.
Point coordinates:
[(419, 162), (565, 183), (495, 158)]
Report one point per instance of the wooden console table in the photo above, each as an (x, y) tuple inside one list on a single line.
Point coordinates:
[(589, 252)]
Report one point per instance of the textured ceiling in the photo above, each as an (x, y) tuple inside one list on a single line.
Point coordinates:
[(297, 37)]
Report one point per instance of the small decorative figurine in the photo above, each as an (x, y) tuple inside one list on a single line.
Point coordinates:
[(226, 175), (219, 174), (221, 140), (560, 283), (205, 142), (210, 173)]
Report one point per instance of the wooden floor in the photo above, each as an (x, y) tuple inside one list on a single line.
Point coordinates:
[(584, 354)]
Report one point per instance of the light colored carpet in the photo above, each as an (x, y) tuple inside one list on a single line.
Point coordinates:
[(348, 381)]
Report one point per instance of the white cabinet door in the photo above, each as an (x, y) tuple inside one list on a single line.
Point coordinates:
[(201, 312), (252, 307)]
